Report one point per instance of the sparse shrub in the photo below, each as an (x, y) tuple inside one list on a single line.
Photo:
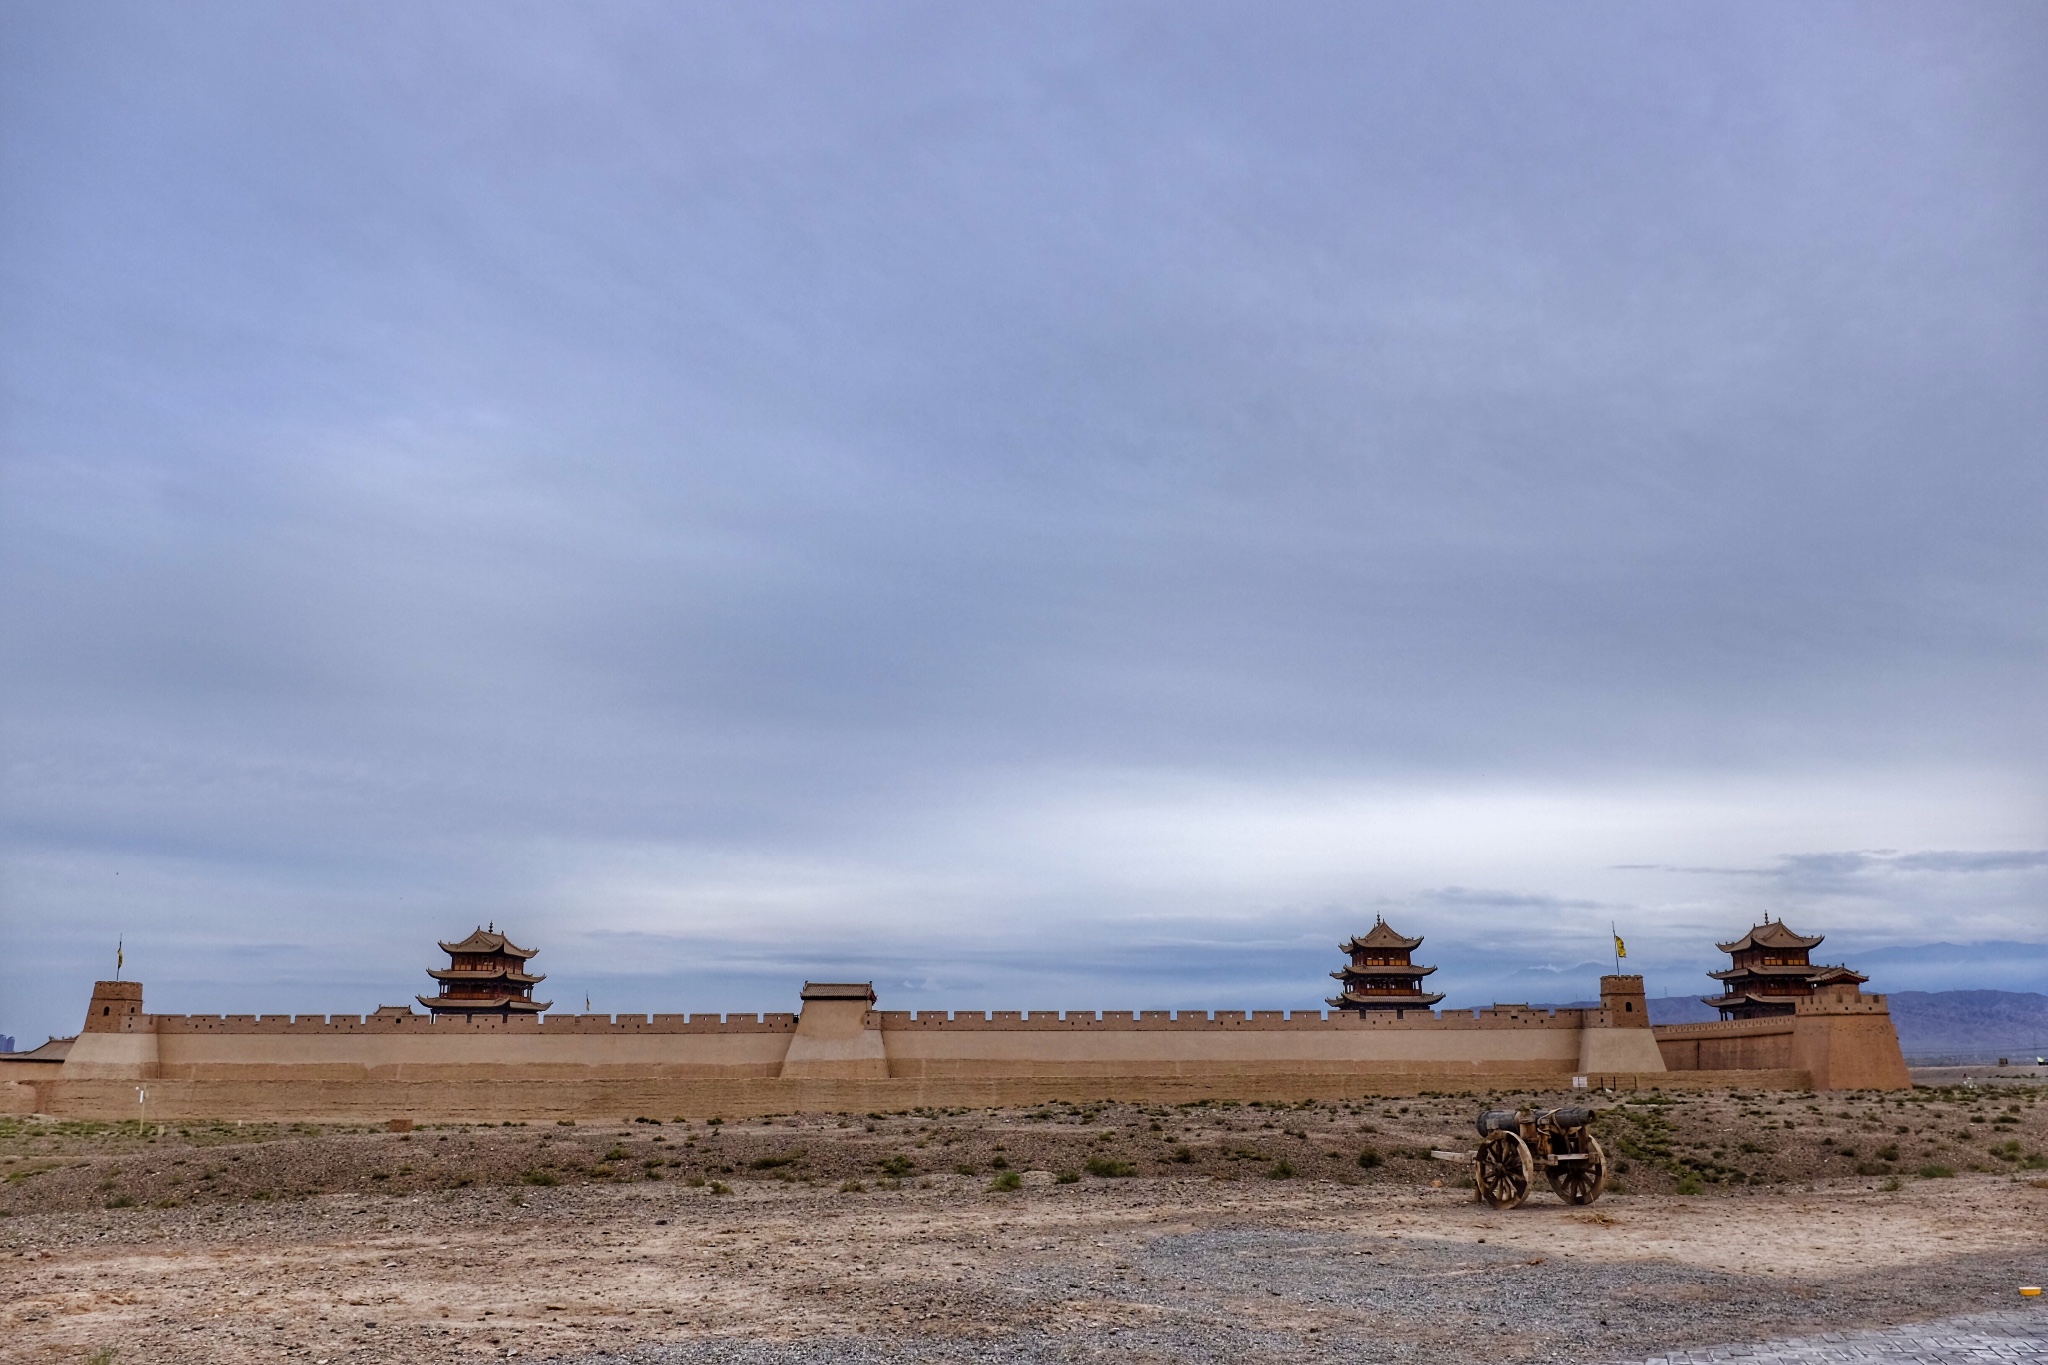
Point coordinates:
[(1006, 1180), (1370, 1158), (1891, 1184), (1066, 1178), (1183, 1155), (720, 1187), (615, 1154), (852, 1187), (1689, 1184), (1108, 1168), (1888, 1152), (538, 1178), (1280, 1170), (897, 1166), (1936, 1173)]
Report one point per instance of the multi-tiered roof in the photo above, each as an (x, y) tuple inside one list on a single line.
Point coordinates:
[(1770, 973), (1380, 975), (486, 974)]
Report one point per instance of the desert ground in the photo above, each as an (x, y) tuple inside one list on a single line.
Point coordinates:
[(1201, 1233)]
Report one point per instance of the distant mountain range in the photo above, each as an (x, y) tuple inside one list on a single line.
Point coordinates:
[(1966, 1025), (1963, 1023)]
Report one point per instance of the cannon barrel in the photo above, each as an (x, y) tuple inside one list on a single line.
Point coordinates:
[(1498, 1120), (1495, 1120)]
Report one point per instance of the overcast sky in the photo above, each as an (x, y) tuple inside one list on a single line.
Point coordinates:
[(1044, 505)]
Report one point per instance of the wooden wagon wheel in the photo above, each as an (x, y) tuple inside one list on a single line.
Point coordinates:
[(1503, 1170), (1580, 1182)]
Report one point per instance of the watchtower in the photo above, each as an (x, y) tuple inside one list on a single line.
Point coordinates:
[(1380, 975), (486, 974)]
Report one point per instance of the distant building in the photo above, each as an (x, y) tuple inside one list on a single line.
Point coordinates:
[(1770, 973), (1380, 975), (486, 974), (6, 1043)]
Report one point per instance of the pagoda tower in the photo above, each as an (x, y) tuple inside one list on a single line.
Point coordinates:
[(1770, 973), (1380, 976), (486, 974)]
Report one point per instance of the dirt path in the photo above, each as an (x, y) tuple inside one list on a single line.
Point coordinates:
[(1183, 1269)]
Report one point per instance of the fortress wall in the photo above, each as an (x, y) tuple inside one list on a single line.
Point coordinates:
[(900, 1044), (423, 1054), (1425, 1046), (1851, 1051), (843, 1055), (447, 1026), (1841, 1043), (1001, 1021), (1732, 1044)]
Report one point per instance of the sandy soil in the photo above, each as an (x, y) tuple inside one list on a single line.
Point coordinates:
[(1187, 1264)]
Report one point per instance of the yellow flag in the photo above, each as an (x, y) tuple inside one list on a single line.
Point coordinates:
[(1620, 948)]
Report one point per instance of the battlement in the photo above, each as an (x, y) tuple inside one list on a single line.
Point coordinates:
[(585, 1025), (457, 1025)]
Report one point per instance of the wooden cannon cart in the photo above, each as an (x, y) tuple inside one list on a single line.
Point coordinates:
[(1514, 1143)]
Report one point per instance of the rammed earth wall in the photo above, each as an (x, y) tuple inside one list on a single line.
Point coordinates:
[(842, 1054)]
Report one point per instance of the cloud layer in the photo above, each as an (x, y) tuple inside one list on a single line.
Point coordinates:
[(1050, 506)]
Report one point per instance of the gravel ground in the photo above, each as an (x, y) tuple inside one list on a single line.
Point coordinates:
[(736, 1254), (1199, 1302), (1990, 1338)]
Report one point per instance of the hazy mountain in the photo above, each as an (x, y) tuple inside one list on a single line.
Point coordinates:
[(1963, 1022), (1930, 1023)]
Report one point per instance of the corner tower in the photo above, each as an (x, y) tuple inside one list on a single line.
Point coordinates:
[(1380, 975), (1770, 972)]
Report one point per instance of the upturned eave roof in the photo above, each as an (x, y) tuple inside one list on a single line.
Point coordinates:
[(1771, 934), (489, 941), (450, 1004), (1395, 999), (484, 974), (1798, 970), (1381, 935), (1411, 969)]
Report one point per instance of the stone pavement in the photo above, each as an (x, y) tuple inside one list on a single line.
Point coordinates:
[(2016, 1337)]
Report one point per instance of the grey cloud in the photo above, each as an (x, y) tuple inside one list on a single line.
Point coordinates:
[(432, 444)]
